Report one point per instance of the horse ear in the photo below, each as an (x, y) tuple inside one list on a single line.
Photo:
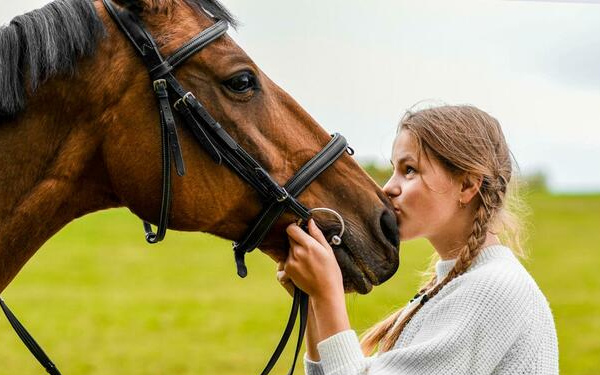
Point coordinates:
[(136, 6)]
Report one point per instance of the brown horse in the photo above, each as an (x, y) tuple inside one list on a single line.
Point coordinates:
[(79, 133)]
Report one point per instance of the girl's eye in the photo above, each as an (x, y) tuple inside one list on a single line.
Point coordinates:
[(241, 83), (410, 169)]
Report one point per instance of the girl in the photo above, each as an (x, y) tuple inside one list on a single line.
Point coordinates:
[(481, 312)]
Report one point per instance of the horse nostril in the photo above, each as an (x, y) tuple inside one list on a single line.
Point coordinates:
[(389, 227)]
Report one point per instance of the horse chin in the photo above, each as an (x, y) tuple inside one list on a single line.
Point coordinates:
[(360, 273), (356, 279)]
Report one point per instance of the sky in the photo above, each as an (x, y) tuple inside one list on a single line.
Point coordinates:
[(357, 65)]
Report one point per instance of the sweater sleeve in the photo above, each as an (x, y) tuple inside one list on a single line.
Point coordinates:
[(312, 367), (468, 331)]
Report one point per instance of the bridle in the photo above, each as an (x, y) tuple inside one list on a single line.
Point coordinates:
[(223, 149)]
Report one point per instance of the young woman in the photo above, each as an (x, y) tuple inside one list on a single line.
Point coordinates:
[(481, 312)]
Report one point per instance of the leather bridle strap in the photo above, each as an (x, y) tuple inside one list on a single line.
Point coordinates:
[(211, 135), (29, 342), (197, 43), (222, 149), (269, 215), (299, 305)]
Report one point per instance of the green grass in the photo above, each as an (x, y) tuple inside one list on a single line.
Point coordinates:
[(101, 301)]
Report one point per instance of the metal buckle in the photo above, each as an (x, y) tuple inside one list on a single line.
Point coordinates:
[(184, 100), (159, 83), (178, 103), (285, 196), (187, 97)]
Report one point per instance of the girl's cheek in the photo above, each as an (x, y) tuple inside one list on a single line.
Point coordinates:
[(409, 194)]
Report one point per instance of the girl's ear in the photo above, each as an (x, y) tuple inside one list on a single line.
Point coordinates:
[(470, 186), (136, 6)]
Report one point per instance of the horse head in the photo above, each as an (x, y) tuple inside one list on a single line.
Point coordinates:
[(115, 160)]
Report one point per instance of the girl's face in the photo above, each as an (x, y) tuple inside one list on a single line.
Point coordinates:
[(424, 195)]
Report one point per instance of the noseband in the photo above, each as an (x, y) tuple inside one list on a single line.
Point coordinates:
[(223, 149)]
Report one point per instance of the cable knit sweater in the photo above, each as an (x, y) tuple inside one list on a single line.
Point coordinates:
[(493, 319)]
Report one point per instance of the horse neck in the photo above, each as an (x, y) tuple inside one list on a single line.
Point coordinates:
[(47, 157)]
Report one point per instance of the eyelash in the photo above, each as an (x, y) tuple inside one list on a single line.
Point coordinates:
[(407, 168)]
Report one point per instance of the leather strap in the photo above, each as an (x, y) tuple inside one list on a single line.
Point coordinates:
[(299, 304), (168, 121), (222, 148), (309, 171), (142, 41), (197, 43), (29, 342), (170, 144), (199, 133)]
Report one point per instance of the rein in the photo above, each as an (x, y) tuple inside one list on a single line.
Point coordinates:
[(223, 149)]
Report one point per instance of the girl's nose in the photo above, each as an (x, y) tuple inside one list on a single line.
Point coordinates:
[(392, 188)]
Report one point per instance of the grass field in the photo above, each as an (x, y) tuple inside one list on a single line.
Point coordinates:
[(102, 302)]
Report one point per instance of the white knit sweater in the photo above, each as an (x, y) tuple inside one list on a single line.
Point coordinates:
[(493, 319)]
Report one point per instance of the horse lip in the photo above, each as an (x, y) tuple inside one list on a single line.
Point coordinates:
[(365, 285), (362, 278), (361, 282), (355, 277), (367, 274)]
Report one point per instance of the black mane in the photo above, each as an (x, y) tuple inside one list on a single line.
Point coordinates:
[(215, 8), (49, 41), (43, 43)]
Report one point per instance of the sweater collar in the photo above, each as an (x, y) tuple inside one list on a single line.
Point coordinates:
[(487, 254)]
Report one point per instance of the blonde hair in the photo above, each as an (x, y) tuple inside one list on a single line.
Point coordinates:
[(465, 140)]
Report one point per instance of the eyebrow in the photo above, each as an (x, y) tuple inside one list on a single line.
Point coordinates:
[(403, 159)]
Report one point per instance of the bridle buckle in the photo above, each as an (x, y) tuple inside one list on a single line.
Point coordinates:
[(159, 84), (187, 96), (184, 101), (284, 196)]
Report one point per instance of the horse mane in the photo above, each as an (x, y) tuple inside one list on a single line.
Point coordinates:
[(216, 9), (49, 41), (44, 43)]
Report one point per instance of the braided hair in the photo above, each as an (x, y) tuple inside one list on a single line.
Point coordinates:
[(465, 140)]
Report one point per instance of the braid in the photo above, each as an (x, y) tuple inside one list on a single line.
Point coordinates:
[(463, 262), (463, 140)]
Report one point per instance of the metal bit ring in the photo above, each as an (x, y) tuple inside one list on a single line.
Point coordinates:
[(337, 238)]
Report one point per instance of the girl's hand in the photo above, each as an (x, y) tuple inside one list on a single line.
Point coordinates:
[(311, 264)]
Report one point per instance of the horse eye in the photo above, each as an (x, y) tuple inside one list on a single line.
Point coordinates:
[(241, 83)]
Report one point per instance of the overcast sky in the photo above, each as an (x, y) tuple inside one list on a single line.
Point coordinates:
[(356, 65)]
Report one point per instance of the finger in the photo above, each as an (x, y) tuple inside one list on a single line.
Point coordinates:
[(316, 233), (297, 234), (283, 277), (292, 251), (298, 252), (286, 282)]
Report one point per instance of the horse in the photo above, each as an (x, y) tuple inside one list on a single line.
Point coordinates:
[(77, 136)]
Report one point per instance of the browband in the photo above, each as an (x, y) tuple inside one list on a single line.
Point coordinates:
[(131, 26)]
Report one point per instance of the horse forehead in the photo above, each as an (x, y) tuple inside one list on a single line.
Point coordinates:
[(176, 25)]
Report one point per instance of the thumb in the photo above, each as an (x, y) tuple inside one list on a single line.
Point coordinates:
[(316, 233)]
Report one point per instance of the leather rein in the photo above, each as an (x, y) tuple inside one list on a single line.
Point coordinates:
[(223, 149)]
